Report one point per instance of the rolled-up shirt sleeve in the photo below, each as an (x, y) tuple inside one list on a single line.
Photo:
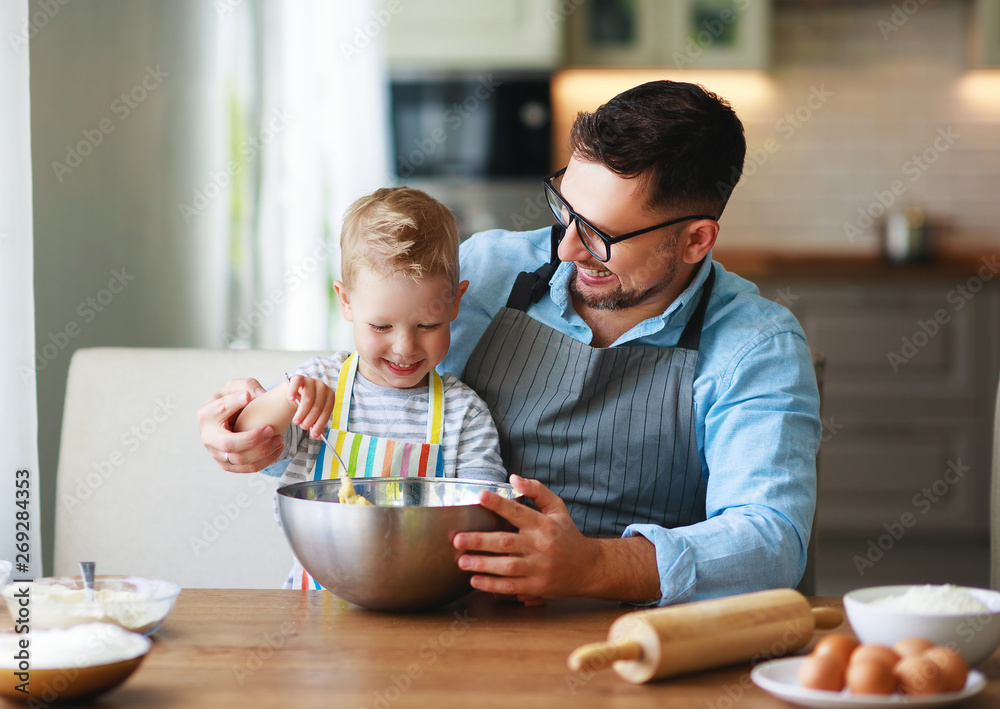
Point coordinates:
[(758, 445)]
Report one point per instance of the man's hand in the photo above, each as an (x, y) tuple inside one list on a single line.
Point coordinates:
[(548, 557), (248, 452)]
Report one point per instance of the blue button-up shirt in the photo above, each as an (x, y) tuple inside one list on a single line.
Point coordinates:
[(756, 415)]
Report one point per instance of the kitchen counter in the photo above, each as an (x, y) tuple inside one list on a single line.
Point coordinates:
[(253, 649), (759, 264)]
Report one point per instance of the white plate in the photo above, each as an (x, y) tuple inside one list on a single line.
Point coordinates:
[(780, 678)]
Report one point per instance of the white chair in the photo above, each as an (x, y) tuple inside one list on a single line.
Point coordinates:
[(995, 501), (136, 491)]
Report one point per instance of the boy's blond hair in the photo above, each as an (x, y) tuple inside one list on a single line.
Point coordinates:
[(399, 230)]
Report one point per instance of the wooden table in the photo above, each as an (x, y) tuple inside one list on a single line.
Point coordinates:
[(296, 649)]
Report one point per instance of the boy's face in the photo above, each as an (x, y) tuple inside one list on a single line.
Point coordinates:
[(402, 327)]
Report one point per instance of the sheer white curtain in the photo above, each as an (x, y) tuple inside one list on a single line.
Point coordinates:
[(20, 523), (310, 127)]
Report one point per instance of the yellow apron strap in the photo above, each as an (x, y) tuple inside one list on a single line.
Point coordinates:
[(435, 407), (345, 385), (342, 402)]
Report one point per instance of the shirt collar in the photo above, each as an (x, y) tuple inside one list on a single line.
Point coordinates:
[(689, 294)]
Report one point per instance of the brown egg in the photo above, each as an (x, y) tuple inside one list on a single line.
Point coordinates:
[(838, 644), (919, 675), (880, 653), (822, 672), (908, 647), (870, 677), (954, 668)]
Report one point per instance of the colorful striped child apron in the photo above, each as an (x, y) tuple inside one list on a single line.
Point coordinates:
[(369, 456)]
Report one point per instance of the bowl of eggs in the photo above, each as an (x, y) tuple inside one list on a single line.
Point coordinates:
[(386, 543), (135, 603), (68, 664), (965, 619)]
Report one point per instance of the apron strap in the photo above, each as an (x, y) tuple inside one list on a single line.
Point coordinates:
[(342, 398), (435, 407), (345, 385), (530, 287), (691, 337)]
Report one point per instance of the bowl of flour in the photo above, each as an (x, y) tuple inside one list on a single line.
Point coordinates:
[(135, 603), (63, 664), (964, 618)]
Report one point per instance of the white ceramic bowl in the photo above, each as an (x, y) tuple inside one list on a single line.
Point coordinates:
[(135, 603), (69, 664), (975, 636)]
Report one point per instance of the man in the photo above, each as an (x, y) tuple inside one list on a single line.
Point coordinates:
[(660, 414)]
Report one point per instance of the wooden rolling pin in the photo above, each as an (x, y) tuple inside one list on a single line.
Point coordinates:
[(664, 642)]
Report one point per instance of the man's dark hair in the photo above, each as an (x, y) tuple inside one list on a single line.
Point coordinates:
[(683, 141)]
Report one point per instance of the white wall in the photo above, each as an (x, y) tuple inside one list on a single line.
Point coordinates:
[(871, 105), (863, 104), (19, 545), (115, 263)]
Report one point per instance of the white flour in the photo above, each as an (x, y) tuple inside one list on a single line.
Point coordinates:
[(936, 600), (57, 606), (80, 646)]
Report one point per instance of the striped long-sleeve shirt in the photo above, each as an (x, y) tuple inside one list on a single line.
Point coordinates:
[(469, 441)]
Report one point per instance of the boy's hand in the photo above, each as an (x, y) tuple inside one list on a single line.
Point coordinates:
[(315, 403)]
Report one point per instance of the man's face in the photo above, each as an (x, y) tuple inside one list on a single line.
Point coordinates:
[(641, 269)]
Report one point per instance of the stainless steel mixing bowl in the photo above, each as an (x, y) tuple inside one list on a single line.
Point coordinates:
[(397, 555)]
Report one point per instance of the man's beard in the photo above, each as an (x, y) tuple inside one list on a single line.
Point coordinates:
[(620, 298)]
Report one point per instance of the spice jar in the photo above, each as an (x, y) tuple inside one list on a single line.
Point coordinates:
[(905, 237)]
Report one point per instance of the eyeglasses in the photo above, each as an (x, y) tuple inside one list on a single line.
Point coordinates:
[(597, 242)]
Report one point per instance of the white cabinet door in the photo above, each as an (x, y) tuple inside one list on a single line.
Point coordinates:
[(986, 34), (626, 33), (717, 34), (452, 35), (678, 34)]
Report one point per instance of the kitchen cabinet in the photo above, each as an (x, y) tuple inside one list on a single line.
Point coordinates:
[(986, 34), (911, 376), (682, 34), (473, 34)]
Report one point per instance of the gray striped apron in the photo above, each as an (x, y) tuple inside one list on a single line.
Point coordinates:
[(611, 431)]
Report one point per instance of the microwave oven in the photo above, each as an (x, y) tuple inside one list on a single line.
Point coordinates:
[(479, 125)]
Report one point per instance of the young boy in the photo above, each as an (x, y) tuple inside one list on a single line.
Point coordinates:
[(388, 413)]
